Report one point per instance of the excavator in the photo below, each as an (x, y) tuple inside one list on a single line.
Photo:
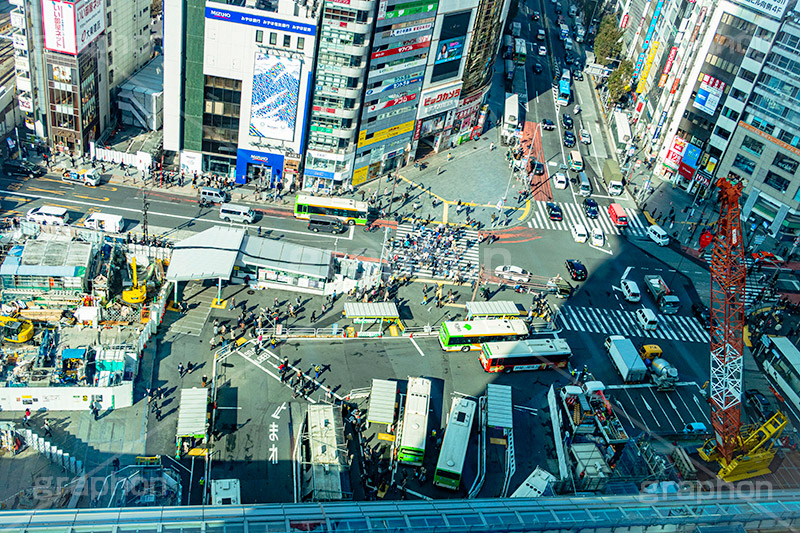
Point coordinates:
[(138, 293), (741, 452)]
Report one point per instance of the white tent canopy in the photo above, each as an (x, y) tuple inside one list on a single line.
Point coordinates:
[(192, 413), (209, 254)]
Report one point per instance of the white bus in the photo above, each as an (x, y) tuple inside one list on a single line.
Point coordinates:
[(466, 336), (454, 446), (782, 365), (415, 422), (622, 131), (532, 354), (510, 118), (575, 161)]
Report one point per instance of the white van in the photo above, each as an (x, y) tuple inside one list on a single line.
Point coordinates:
[(48, 215), (568, 45), (585, 184), (213, 195), (647, 319), (630, 291), (579, 233), (658, 235), (105, 222), (573, 10), (236, 213)]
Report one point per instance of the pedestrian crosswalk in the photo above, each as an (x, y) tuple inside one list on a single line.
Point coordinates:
[(421, 253), (623, 322), (757, 290), (573, 214)]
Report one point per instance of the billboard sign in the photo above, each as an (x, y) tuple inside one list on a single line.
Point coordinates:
[(260, 22), (414, 44), (673, 53), (58, 21), (646, 71), (393, 102), (274, 98), (398, 84), (661, 121), (771, 8), (652, 28), (709, 94), (675, 153), (624, 22), (90, 21), (440, 100), (450, 49), (411, 29)]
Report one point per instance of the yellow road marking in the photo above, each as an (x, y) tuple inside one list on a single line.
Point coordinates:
[(15, 198), (45, 190), (526, 210), (446, 211), (103, 199)]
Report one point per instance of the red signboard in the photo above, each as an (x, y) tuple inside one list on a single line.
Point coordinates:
[(407, 48), (624, 23), (670, 59), (675, 85), (395, 101)]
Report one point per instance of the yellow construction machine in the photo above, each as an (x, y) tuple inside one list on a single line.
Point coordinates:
[(138, 293)]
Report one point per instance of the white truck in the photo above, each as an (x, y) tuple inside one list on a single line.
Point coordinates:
[(516, 29), (580, 32), (667, 302), (626, 359), (510, 118), (90, 177), (612, 175)]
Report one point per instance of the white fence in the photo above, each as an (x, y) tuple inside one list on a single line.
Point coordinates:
[(140, 160), (54, 454)]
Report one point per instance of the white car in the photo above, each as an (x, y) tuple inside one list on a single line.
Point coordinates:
[(48, 215), (540, 35), (586, 138), (560, 181), (514, 273), (542, 50), (598, 237)]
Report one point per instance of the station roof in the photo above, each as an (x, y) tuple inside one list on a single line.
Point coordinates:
[(501, 308), (48, 258), (209, 254), (371, 310), (382, 398), (192, 413), (285, 257), (499, 408)]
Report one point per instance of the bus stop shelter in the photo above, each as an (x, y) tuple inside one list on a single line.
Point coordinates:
[(382, 399), (502, 309), (498, 406), (192, 417), (371, 313)]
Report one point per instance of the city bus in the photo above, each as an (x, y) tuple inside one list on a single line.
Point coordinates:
[(781, 361), (563, 88), (415, 422), (457, 434), (533, 354), (508, 46), (622, 131), (466, 336), (348, 211), (575, 161), (520, 51)]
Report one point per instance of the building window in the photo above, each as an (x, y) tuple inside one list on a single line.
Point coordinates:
[(779, 183), (287, 41), (730, 113), (765, 34), (789, 138), (757, 55), (744, 164), (273, 38), (747, 75), (785, 163), (110, 58), (259, 36), (108, 36), (739, 95), (762, 124), (301, 42), (111, 76), (722, 132), (753, 146)]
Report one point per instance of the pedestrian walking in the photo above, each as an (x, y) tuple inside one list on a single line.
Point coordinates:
[(46, 427), (189, 367), (205, 380), (233, 303), (314, 315), (158, 413), (297, 302), (323, 310), (96, 411), (317, 370), (26, 418), (275, 304), (180, 369)]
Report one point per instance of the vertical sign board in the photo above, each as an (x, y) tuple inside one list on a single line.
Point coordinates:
[(450, 48), (69, 26)]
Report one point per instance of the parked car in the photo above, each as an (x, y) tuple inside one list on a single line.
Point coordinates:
[(20, 167), (759, 402), (538, 169)]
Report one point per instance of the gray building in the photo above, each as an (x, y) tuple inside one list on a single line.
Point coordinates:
[(764, 149)]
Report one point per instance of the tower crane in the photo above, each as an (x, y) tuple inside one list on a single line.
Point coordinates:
[(742, 452)]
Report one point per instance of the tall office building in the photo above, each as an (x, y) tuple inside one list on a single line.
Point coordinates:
[(64, 64), (713, 93), (764, 147), (237, 86)]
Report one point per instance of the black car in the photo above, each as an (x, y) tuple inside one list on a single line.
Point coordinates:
[(569, 139), (567, 121), (576, 269), (759, 402), (538, 169), (590, 207), (553, 211), (536, 15), (548, 125), (19, 167), (568, 58), (702, 314), (537, 68), (577, 74)]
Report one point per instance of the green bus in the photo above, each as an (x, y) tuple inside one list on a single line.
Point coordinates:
[(348, 211), (415, 422), (466, 336), (450, 465)]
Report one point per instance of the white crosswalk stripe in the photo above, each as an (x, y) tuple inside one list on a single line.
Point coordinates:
[(466, 260), (754, 284), (574, 214), (623, 322)]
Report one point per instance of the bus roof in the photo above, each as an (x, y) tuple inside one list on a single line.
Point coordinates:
[(527, 347), (346, 203), (575, 155), (622, 126), (486, 327), (456, 435), (415, 417)]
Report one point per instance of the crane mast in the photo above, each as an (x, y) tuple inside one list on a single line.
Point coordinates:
[(728, 271)]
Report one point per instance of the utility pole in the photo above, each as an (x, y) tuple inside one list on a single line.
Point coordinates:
[(145, 207), (391, 198), (478, 283)]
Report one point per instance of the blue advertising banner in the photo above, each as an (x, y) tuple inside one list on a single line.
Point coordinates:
[(260, 22), (661, 121), (639, 64), (271, 162)]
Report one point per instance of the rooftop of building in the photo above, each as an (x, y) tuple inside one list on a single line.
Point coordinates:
[(149, 79)]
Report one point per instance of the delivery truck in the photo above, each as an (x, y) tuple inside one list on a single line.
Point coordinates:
[(626, 359), (667, 302), (612, 176), (90, 177)]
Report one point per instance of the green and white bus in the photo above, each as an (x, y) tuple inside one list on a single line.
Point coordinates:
[(347, 210), (466, 336), (455, 443), (415, 422)]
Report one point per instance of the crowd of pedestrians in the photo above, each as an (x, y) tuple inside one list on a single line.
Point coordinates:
[(439, 251)]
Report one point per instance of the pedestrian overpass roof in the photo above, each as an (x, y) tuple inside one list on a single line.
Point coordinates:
[(193, 413), (209, 254), (492, 309), (385, 310), (382, 399)]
